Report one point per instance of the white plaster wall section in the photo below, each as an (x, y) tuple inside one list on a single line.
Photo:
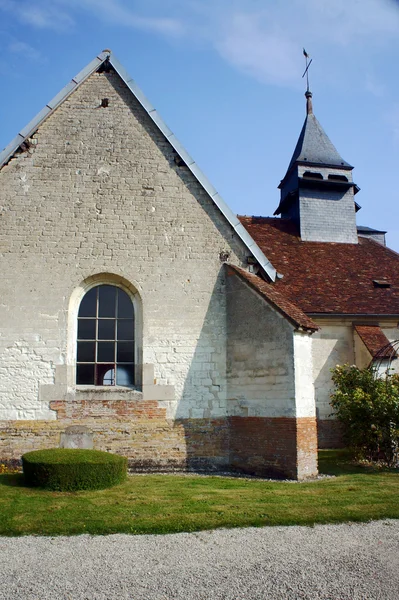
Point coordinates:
[(193, 356), (304, 385), (260, 364), (25, 363), (332, 345)]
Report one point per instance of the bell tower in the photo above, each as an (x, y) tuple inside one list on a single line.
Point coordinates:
[(317, 191)]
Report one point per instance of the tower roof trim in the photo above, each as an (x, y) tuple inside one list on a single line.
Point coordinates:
[(93, 66)]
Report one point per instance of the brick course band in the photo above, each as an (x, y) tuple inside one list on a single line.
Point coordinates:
[(282, 447)]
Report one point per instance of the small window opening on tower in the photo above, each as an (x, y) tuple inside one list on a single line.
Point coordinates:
[(337, 177), (311, 175)]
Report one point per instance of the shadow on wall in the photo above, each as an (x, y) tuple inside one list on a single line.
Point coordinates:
[(245, 348), (201, 414), (332, 346)]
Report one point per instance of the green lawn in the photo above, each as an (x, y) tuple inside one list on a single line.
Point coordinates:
[(173, 503)]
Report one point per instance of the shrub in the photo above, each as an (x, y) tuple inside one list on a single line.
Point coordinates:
[(368, 408), (66, 469)]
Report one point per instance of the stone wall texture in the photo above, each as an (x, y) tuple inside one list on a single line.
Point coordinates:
[(99, 198), (99, 194)]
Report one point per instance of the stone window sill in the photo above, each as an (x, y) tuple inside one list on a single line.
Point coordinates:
[(111, 392)]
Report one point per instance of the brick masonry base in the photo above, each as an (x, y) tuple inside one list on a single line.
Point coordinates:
[(275, 447), (330, 434), (278, 447)]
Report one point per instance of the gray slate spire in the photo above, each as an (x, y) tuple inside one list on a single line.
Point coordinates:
[(314, 145)]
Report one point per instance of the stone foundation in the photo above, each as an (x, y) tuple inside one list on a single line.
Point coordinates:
[(140, 430)]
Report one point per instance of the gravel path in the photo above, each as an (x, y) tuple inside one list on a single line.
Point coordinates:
[(334, 562)]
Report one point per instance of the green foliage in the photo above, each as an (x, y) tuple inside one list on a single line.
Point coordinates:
[(69, 470), (368, 408)]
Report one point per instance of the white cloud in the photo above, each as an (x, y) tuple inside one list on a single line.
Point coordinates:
[(262, 38), (22, 48), (265, 39), (42, 15), (119, 13), (61, 15), (258, 47)]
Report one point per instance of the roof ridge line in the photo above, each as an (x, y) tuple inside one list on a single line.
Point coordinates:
[(232, 219)]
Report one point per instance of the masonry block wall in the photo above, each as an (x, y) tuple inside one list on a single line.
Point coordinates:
[(272, 416), (99, 194)]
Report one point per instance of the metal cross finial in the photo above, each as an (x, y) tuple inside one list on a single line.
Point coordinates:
[(306, 72)]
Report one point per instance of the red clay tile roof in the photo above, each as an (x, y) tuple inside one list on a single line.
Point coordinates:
[(278, 300), (375, 341), (328, 278)]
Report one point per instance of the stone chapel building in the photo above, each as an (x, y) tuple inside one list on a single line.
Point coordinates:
[(136, 304)]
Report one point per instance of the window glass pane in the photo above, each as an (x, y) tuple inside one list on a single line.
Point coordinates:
[(107, 299), (87, 307), (85, 375), (106, 352), (125, 352), (86, 351), (124, 374), (106, 329), (125, 306), (125, 329), (105, 374), (86, 329), (105, 335)]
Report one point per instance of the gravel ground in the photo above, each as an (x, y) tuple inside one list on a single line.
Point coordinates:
[(334, 562)]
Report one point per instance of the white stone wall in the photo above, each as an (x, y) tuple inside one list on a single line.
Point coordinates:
[(260, 360), (304, 385), (332, 345), (338, 344), (99, 192)]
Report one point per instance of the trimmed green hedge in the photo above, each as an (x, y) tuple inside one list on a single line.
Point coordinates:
[(67, 470)]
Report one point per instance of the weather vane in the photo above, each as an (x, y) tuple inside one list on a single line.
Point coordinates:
[(306, 72)]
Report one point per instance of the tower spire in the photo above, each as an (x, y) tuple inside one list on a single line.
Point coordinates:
[(317, 192)]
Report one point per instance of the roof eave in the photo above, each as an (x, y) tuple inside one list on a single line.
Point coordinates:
[(31, 127), (314, 315)]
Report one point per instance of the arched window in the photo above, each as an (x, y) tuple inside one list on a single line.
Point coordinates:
[(105, 341)]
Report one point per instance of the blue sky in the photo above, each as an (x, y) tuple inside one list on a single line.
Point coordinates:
[(226, 77)]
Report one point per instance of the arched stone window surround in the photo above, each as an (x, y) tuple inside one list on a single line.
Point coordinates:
[(74, 304)]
